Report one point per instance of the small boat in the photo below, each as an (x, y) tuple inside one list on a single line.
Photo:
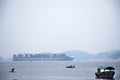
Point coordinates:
[(71, 66), (105, 72), (12, 70)]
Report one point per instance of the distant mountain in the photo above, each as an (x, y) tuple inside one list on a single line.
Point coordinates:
[(9, 59), (1, 58), (80, 55), (85, 56), (114, 54)]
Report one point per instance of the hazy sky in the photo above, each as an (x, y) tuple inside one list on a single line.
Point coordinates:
[(59, 25)]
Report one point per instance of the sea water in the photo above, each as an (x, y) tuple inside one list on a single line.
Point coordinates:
[(54, 70)]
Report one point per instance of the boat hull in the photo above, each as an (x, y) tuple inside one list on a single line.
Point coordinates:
[(105, 75)]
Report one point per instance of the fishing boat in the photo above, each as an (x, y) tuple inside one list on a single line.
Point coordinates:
[(105, 72), (70, 66), (12, 70)]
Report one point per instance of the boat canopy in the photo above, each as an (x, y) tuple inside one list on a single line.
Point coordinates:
[(106, 68)]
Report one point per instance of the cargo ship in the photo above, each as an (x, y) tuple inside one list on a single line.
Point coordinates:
[(42, 57)]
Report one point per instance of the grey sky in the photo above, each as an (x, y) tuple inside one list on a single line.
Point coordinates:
[(59, 25)]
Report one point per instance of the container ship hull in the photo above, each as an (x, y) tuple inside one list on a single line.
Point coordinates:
[(44, 59)]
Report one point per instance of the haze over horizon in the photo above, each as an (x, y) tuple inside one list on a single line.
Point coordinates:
[(59, 25)]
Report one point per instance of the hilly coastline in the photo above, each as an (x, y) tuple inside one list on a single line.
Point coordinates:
[(85, 56), (79, 55)]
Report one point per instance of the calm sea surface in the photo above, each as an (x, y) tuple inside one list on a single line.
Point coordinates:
[(54, 70)]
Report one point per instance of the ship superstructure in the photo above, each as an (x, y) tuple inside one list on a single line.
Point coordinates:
[(41, 57)]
